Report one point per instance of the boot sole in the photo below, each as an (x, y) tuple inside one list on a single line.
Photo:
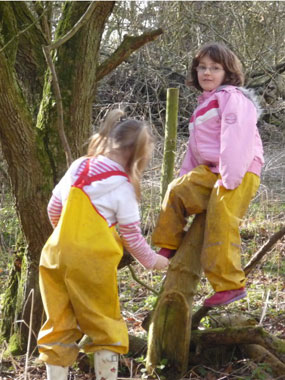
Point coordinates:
[(240, 296)]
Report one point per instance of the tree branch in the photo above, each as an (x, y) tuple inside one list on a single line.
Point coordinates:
[(57, 93), (276, 69), (83, 19), (127, 47), (263, 250), (59, 106), (23, 31), (141, 282)]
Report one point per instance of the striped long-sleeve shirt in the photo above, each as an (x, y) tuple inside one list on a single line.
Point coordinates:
[(115, 200)]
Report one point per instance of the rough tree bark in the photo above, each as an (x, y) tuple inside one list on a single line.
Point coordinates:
[(170, 327), (28, 122)]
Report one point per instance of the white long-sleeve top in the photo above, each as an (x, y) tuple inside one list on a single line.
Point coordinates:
[(114, 198)]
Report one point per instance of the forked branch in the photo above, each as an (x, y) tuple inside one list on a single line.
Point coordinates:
[(127, 47)]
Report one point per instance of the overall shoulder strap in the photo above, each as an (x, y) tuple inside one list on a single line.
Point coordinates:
[(85, 180)]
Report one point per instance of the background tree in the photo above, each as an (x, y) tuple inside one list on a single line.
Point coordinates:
[(33, 123)]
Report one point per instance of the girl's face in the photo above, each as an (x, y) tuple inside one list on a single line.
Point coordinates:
[(210, 74)]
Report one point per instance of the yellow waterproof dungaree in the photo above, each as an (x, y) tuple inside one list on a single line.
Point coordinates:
[(78, 281), (194, 193)]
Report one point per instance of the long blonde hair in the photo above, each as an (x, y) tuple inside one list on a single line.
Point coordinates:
[(119, 135)]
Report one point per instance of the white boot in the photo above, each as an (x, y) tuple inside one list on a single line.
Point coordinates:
[(106, 365), (56, 372)]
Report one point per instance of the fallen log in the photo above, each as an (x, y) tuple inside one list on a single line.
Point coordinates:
[(260, 354)]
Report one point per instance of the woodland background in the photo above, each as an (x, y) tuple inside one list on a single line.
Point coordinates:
[(138, 83)]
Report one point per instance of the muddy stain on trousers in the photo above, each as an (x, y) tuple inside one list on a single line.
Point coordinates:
[(194, 193)]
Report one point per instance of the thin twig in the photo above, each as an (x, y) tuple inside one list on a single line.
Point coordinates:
[(83, 19), (57, 93), (23, 31), (25, 323), (264, 308), (59, 106), (141, 282), (30, 332)]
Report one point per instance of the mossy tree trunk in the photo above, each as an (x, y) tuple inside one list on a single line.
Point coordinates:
[(22, 149), (28, 122), (170, 327)]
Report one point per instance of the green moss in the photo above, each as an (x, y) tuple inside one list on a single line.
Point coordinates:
[(15, 346), (8, 31), (13, 302), (9, 304)]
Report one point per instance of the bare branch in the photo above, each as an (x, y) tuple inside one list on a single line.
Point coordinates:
[(127, 47), (59, 105), (83, 19), (280, 68), (263, 250), (23, 31), (141, 282), (57, 93)]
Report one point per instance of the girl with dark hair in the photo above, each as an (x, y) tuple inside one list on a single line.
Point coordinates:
[(220, 173)]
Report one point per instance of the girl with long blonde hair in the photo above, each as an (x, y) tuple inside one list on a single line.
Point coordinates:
[(78, 266)]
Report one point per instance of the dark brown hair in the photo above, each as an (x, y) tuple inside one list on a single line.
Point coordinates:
[(221, 54)]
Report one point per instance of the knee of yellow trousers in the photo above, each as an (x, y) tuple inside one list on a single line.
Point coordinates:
[(106, 365), (222, 266), (165, 237), (58, 355), (223, 281)]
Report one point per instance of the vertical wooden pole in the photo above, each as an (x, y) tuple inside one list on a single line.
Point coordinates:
[(170, 139)]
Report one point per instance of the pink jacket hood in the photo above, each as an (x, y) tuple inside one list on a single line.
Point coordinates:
[(224, 135)]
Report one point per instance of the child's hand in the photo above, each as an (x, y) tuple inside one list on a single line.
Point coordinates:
[(218, 183), (161, 263)]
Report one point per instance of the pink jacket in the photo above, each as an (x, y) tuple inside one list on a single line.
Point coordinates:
[(224, 135)]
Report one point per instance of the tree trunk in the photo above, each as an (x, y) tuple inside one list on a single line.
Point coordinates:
[(28, 125), (24, 167), (170, 327)]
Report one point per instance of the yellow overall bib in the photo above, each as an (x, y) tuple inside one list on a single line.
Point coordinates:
[(194, 193), (78, 281)]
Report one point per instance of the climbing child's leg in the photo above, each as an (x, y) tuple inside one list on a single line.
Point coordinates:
[(221, 258), (186, 195)]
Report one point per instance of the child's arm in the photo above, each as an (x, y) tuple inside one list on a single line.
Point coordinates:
[(238, 129), (54, 210), (136, 244), (189, 162)]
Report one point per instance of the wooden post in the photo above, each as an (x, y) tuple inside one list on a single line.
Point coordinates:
[(170, 139)]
